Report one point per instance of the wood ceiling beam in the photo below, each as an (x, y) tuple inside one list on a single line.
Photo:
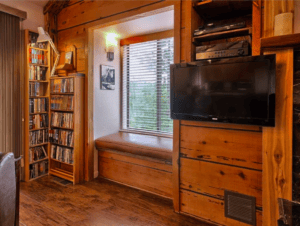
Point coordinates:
[(55, 6)]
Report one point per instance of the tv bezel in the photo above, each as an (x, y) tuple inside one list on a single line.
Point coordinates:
[(268, 122)]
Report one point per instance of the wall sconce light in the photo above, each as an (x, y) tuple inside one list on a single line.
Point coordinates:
[(111, 43)]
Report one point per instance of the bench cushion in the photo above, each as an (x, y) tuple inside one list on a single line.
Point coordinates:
[(144, 145)]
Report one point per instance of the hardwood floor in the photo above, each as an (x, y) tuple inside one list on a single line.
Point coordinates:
[(99, 202)]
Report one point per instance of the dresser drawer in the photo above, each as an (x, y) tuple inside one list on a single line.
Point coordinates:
[(233, 147), (212, 179)]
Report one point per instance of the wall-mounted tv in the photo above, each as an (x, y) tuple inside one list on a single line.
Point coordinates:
[(234, 90)]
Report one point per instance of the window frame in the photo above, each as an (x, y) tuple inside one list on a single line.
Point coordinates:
[(134, 40)]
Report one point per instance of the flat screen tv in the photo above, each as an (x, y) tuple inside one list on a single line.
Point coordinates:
[(234, 90)]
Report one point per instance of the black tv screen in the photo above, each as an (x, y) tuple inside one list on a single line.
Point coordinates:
[(234, 90)]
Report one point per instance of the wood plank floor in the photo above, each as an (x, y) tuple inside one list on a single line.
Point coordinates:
[(99, 202)]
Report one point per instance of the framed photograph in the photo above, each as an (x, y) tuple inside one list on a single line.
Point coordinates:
[(107, 77), (68, 57)]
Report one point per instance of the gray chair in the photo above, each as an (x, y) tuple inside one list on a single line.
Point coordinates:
[(7, 189)]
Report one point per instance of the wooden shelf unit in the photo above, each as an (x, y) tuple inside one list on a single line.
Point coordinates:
[(44, 89), (201, 178), (72, 172), (234, 12), (223, 35), (216, 10)]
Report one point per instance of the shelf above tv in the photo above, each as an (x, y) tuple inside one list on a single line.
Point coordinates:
[(220, 10), (223, 34), (282, 41)]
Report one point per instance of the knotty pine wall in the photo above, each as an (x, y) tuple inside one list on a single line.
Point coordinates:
[(74, 21)]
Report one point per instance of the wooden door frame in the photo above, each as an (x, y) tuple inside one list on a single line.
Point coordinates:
[(89, 66)]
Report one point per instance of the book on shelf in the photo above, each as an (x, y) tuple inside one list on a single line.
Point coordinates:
[(37, 73), (38, 121), (37, 57), (34, 89), (62, 154), (37, 105), (37, 153), (61, 137), (38, 169), (64, 120), (65, 85), (61, 102), (38, 137)]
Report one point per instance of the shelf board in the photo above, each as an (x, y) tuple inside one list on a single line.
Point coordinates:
[(196, 4), (41, 65), (223, 34), (282, 41), (40, 160), (46, 174), (45, 50), (37, 145), (56, 127), (38, 81), (38, 129), (62, 110), (62, 173), (35, 97), (62, 93), (61, 145), (38, 113), (63, 77), (55, 160)]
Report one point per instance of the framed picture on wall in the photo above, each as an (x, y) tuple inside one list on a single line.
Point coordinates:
[(107, 77)]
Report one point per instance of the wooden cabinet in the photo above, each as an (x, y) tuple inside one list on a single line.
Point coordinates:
[(67, 127), (36, 107), (210, 158), (45, 97), (214, 159)]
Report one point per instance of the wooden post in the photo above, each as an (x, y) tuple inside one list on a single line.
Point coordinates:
[(277, 141)]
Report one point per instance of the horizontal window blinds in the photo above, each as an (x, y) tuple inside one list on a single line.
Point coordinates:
[(146, 86)]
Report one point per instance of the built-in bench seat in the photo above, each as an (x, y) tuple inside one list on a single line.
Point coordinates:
[(140, 161)]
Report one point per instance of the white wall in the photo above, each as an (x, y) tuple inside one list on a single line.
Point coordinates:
[(106, 102), (35, 16)]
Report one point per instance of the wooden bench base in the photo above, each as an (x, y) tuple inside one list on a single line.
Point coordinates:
[(140, 172)]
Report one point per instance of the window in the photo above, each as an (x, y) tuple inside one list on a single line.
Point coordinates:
[(146, 86)]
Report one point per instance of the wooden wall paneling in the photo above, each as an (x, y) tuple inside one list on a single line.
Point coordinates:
[(177, 32), (79, 129), (210, 209), (176, 165), (277, 141), (271, 9), (256, 27), (134, 159), (238, 148), (176, 123), (137, 175), (221, 125), (83, 35), (192, 21), (148, 37), (89, 109), (90, 11), (182, 33), (213, 179)]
